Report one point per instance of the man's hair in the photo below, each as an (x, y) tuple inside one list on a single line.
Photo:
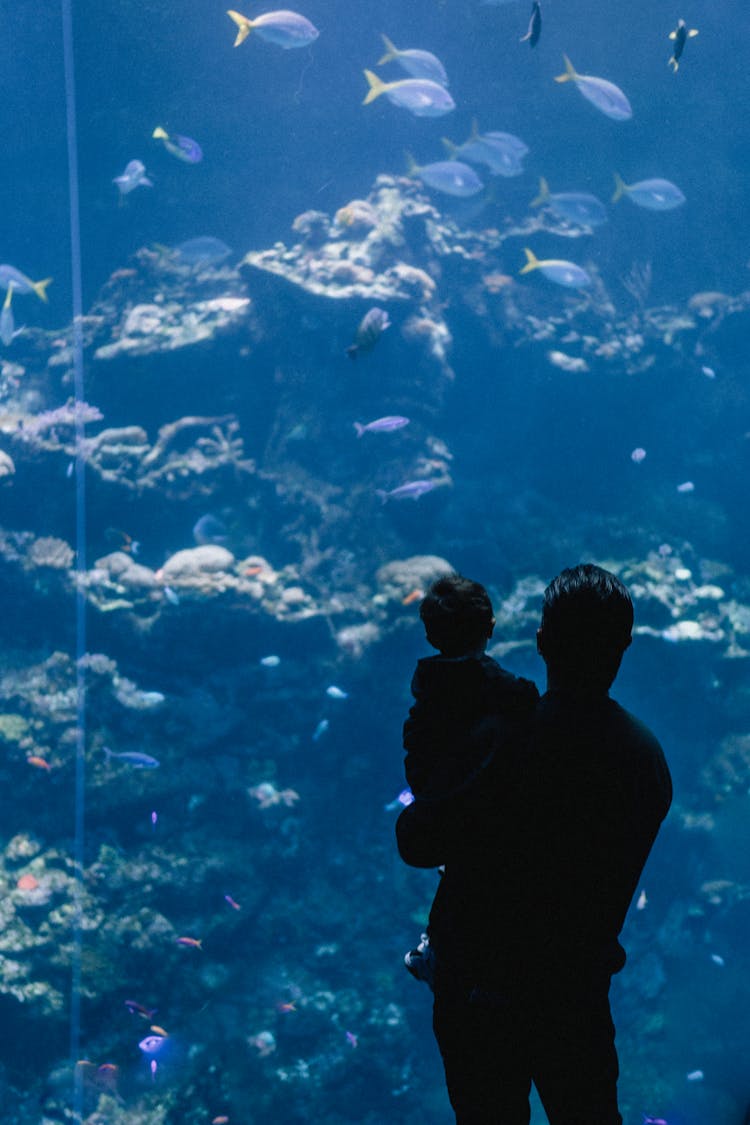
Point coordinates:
[(457, 615), (587, 621)]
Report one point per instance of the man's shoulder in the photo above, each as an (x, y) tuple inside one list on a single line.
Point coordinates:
[(633, 729), (508, 687)]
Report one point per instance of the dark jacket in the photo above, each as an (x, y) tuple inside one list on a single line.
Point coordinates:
[(445, 734), (544, 850)]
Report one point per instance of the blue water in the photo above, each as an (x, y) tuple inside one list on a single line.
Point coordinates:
[(297, 1008)]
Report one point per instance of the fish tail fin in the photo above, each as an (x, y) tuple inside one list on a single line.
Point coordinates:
[(107, 752), (359, 428), (532, 262), (570, 74), (543, 193), (391, 51), (382, 494), (449, 147), (244, 25), (40, 288), (412, 168), (376, 87), (160, 134), (674, 64), (620, 187)]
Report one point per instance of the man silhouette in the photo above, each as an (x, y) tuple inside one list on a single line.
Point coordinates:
[(542, 855)]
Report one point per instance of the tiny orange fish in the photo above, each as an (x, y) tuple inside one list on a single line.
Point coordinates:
[(286, 1006), (159, 1031), (40, 763), (414, 596), (194, 943), (220, 1121)]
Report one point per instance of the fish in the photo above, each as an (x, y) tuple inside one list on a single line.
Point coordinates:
[(535, 26), (140, 1010), (271, 661), (184, 148), (608, 98), (152, 1044), (654, 195), (171, 595), (371, 327), (231, 902), (209, 529), (417, 63), (384, 425), (653, 1120), (420, 96), (451, 177), (192, 942), (9, 275), (501, 152), (695, 1076), (686, 486), (134, 176), (679, 37), (414, 595), (404, 799), (573, 206), (133, 758), (558, 270), (38, 762), (336, 693), (284, 28), (638, 455), (412, 490), (7, 325), (320, 729), (202, 251)]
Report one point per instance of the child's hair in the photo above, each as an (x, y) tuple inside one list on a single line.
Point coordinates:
[(457, 615)]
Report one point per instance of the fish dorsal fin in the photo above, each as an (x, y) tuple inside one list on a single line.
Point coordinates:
[(412, 168), (692, 33), (244, 25), (673, 35), (391, 51), (160, 134), (450, 148), (570, 72), (532, 262), (543, 193), (620, 187), (376, 87)]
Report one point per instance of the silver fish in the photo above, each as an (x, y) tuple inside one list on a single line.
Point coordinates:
[(134, 176), (133, 758), (608, 98), (420, 96), (382, 425), (412, 490), (371, 327)]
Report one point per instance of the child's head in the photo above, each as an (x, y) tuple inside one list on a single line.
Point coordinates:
[(457, 615)]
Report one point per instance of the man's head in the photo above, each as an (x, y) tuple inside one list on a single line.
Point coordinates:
[(587, 622), (457, 615)]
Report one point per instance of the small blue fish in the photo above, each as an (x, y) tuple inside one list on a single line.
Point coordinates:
[(184, 148), (336, 693), (451, 177), (209, 529), (608, 98), (420, 96), (171, 595), (9, 275), (562, 272), (320, 729), (382, 425), (412, 490), (133, 758), (654, 195), (371, 327), (417, 63), (284, 28), (535, 26), (573, 206), (502, 153), (271, 661), (134, 176), (152, 1044)]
